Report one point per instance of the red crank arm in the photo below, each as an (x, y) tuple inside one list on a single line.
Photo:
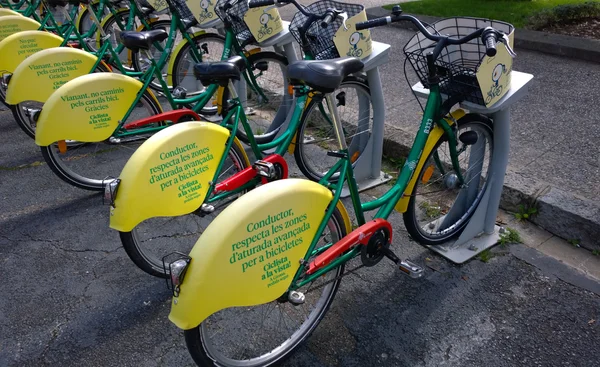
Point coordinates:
[(360, 236)]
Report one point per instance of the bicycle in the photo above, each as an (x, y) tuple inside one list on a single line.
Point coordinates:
[(143, 236), (279, 251), (25, 108)]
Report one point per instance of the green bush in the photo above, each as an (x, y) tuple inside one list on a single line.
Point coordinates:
[(565, 14)]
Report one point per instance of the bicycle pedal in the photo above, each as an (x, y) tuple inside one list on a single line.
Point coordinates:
[(411, 269), (265, 169)]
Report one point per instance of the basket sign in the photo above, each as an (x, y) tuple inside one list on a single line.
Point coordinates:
[(250, 253), (203, 10), (263, 22), (494, 74), (350, 42), (158, 5)]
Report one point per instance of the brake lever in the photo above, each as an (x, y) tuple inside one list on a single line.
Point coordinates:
[(344, 17), (504, 39)]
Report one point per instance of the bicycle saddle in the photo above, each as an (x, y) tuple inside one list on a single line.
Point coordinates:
[(142, 40), (323, 75), (219, 72)]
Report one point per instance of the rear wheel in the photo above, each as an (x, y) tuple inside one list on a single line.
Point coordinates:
[(155, 238), (268, 105), (112, 28), (439, 208), (266, 334), (316, 134), (87, 165)]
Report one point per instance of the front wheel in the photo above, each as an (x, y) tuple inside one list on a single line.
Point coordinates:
[(266, 334), (439, 207), (154, 238), (207, 47), (87, 165)]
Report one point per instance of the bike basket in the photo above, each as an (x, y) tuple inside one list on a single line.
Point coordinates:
[(461, 67), (235, 17), (319, 40)]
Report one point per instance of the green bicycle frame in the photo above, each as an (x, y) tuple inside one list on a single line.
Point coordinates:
[(385, 203)]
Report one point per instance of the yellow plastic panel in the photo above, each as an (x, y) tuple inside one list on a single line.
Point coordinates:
[(11, 24), (48, 70), (173, 168), (87, 108), (17, 47), (250, 253), (5, 12), (434, 137)]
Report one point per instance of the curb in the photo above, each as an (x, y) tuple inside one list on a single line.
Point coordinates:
[(549, 43), (559, 212)]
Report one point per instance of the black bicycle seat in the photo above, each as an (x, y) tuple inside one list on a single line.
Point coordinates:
[(142, 40), (219, 72), (189, 22), (323, 75)]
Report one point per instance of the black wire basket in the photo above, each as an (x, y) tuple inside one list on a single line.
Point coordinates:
[(320, 40), (235, 17), (457, 65)]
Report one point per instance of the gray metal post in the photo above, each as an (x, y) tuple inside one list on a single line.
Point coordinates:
[(499, 163), (378, 120)]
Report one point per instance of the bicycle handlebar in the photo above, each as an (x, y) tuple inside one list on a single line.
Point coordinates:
[(259, 3), (489, 35)]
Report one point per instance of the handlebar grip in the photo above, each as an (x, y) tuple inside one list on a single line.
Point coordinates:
[(373, 23), (259, 3), (490, 44), (327, 20)]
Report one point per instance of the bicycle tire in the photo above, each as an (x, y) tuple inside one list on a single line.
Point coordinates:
[(136, 57), (207, 355), (435, 209), (84, 23), (147, 258), (70, 168), (183, 66), (109, 22), (275, 85), (19, 110), (314, 162)]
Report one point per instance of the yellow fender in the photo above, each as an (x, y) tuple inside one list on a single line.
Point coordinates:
[(250, 253), (87, 108), (11, 24), (4, 12), (175, 53), (174, 168), (17, 47), (48, 70), (434, 137)]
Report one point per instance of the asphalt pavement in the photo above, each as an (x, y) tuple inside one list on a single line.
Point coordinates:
[(71, 296)]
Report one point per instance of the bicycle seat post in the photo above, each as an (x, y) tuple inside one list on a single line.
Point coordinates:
[(337, 123)]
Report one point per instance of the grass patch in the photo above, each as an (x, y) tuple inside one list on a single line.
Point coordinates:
[(509, 236), (515, 12)]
